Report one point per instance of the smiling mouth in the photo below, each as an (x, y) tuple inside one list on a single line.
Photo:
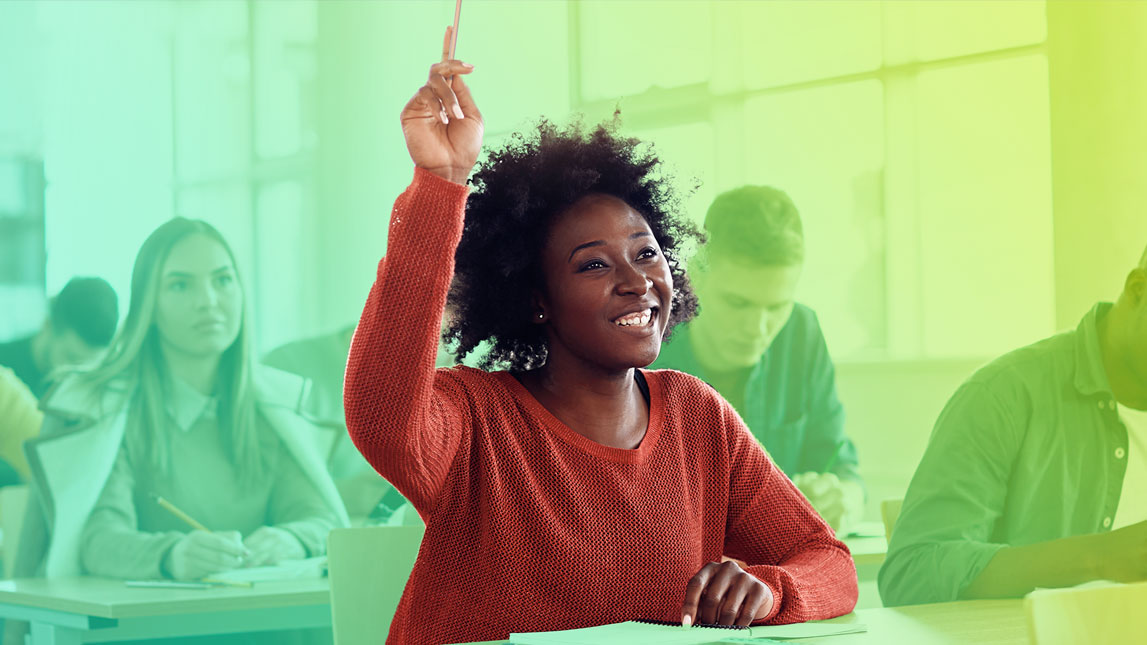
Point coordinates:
[(637, 318)]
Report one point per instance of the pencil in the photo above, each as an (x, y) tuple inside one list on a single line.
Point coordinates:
[(454, 30), (835, 456), (174, 510)]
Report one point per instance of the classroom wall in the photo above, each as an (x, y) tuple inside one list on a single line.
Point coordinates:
[(1098, 99)]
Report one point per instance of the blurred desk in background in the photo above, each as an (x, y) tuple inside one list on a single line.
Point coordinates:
[(65, 611)]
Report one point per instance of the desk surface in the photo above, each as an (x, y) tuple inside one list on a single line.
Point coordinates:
[(869, 547), (112, 599), (991, 622)]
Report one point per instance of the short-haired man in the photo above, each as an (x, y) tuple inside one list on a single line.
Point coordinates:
[(1036, 472), (764, 352), (81, 322)]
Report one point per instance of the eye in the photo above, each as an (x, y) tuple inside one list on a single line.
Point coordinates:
[(178, 286), (647, 253), (591, 265), (224, 280)]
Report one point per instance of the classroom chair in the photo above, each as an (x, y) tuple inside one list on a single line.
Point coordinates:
[(13, 501), (1094, 613), (889, 511), (368, 569)]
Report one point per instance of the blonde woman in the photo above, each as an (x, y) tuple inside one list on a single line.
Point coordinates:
[(176, 411)]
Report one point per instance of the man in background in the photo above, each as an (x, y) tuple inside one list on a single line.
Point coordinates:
[(764, 352), (1036, 472), (81, 322)]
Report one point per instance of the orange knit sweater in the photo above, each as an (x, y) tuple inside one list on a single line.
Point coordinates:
[(529, 525)]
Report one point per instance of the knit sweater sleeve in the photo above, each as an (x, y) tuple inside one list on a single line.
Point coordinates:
[(409, 430), (776, 532)]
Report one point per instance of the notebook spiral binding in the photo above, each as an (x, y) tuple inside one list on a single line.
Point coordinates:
[(650, 621)]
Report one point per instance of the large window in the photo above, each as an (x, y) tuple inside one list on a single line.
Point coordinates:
[(913, 136)]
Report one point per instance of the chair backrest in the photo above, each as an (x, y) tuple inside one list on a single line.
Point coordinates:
[(889, 511), (369, 568), (1109, 613), (13, 502)]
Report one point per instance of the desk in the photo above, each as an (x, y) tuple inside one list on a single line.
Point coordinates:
[(66, 611), (991, 622), (868, 547)]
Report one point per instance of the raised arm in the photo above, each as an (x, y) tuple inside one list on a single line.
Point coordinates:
[(406, 430)]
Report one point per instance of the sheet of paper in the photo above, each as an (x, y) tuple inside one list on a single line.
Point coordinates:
[(293, 570)]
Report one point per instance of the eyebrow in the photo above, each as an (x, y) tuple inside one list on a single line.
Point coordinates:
[(184, 274), (602, 243)]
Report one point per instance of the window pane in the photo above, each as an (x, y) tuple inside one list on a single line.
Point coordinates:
[(791, 42), (825, 148), (940, 29), (985, 207), (627, 47), (212, 91), (283, 273), (522, 78), (284, 77), (687, 153)]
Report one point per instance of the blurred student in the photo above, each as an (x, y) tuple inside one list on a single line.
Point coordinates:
[(1036, 472), (20, 420), (176, 410), (764, 352), (81, 322)]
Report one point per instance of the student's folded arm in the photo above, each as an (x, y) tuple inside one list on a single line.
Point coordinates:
[(943, 536), (298, 507), (826, 416), (406, 427), (111, 544), (782, 540)]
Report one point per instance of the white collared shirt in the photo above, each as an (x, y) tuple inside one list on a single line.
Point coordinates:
[(1133, 498)]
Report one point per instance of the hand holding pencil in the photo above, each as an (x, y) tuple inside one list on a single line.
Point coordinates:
[(201, 552)]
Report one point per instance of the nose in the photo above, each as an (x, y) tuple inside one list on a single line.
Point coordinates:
[(754, 324), (632, 280), (206, 296)]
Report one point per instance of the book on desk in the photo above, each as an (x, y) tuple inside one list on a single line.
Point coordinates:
[(650, 632)]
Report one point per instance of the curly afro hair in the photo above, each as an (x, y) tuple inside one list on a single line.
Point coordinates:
[(519, 190)]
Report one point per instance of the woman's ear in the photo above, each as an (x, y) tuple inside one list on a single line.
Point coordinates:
[(538, 305)]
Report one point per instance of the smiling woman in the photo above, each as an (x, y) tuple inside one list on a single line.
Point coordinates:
[(575, 488)]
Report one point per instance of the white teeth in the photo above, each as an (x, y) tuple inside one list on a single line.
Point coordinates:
[(640, 318)]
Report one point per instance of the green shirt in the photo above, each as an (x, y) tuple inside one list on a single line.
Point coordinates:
[(789, 402), (1029, 449)]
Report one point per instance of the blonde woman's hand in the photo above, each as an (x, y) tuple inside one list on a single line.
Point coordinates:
[(200, 553), (271, 545), (441, 123)]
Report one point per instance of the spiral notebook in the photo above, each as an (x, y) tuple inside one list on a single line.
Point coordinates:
[(650, 632)]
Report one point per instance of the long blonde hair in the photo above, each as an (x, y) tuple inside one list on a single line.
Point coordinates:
[(135, 356)]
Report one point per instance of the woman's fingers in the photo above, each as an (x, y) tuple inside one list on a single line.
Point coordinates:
[(733, 602), (446, 96), (446, 43), (714, 595), (465, 99), (693, 593), (752, 604), (445, 90)]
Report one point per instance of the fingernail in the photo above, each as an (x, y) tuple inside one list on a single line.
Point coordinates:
[(442, 115), (458, 111), (687, 621), (467, 66)]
